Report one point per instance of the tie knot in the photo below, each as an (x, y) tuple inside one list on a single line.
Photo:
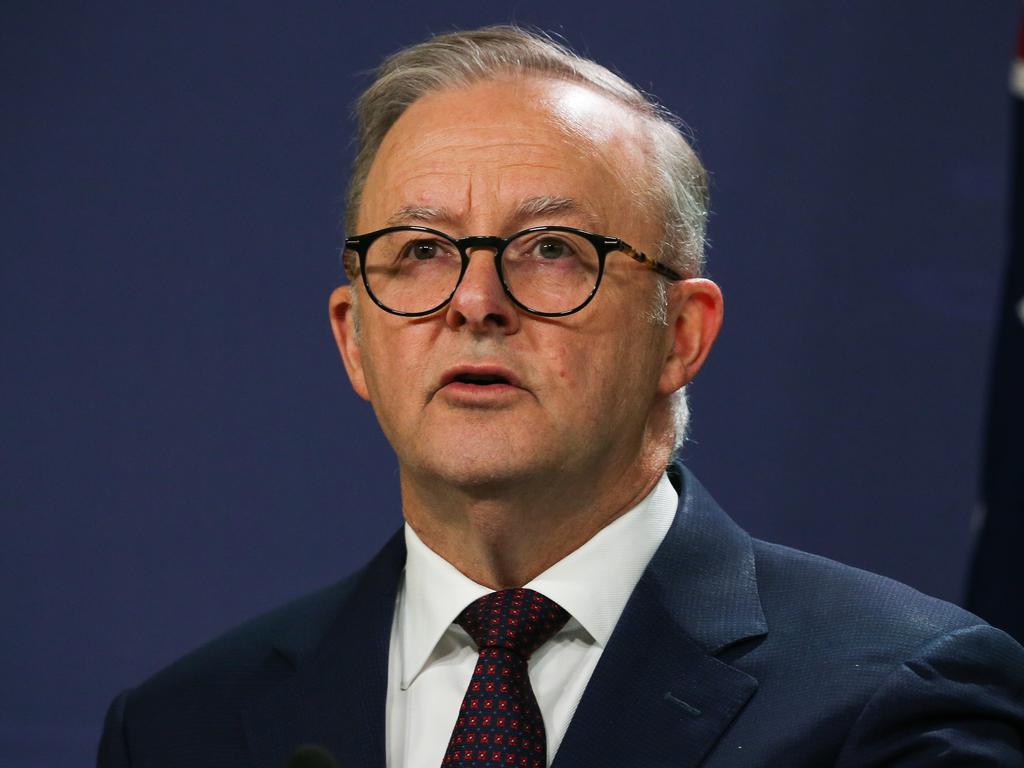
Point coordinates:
[(518, 620)]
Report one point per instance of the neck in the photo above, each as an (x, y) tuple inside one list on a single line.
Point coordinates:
[(503, 537)]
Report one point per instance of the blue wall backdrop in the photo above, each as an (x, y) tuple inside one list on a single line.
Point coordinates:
[(181, 449)]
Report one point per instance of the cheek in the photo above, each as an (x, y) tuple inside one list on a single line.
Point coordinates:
[(561, 360), (386, 363), (584, 372)]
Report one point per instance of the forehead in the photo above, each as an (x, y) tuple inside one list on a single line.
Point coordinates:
[(479, 154)]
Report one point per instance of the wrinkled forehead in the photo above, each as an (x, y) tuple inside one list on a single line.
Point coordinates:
[(479, 151)]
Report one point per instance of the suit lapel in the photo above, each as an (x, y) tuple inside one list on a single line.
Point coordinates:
[(660, 696), (336, 697)]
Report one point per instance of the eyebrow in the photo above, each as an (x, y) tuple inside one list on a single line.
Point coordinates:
[(539, 207), (529, 209), (408, 213)]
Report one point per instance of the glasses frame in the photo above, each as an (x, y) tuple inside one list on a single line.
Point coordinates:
[(603, 244)]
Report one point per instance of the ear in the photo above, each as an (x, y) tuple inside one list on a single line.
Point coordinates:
[(343, 322), (695, 316)]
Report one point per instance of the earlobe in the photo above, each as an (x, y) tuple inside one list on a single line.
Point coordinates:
[(343, 323), (694, 324)]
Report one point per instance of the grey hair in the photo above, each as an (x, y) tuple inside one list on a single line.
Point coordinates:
[(677, 193)]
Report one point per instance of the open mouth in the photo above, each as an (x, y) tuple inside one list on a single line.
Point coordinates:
[(480, 379), (472, 381)]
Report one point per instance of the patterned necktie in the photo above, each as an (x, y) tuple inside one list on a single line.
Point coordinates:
[(499, 722)]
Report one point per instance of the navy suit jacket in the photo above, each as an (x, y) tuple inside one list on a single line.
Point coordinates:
[(730, 652)]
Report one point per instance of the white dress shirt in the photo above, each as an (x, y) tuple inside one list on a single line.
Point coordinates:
[(431, 659)]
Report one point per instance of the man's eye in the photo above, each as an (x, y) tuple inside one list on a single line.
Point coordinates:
[(422, 250), (553, 249)]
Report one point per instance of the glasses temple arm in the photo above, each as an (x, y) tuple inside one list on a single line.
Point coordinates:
[(641, 257)]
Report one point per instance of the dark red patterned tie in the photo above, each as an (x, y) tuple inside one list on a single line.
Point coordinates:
[(499, 722)]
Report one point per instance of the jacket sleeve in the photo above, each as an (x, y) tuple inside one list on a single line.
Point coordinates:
[(113, 752), (957, 702)]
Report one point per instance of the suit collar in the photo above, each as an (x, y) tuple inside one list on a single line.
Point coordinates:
[(659, 680), (704, 572)]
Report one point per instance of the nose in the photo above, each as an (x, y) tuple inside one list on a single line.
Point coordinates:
[(480, 303)]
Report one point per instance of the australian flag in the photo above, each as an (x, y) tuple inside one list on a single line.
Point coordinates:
[(996, 586)]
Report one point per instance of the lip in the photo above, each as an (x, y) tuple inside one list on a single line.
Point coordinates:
[(452, 374), (467, 393)]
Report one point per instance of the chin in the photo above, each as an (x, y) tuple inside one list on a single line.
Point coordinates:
[(484, 465), (476, 471)]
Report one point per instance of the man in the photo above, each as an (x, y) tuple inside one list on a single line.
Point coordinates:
[(525, 309)]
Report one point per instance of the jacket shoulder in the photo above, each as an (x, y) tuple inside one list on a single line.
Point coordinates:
[(203, 692), (275, 638), (194, 711), (857, 669), (818, 597)]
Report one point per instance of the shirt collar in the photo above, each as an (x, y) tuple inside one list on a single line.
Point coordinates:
[(593, 583)]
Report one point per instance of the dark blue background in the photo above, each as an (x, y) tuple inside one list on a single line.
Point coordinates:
[(181, 447)]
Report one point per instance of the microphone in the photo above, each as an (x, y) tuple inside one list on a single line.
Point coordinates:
[(311, 756)]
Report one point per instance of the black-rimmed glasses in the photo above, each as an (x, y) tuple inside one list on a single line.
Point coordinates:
[(550, 271)]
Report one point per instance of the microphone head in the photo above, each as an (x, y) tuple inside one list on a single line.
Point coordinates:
[(311, 756)]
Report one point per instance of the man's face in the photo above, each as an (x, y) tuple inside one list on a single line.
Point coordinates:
[(492, 159)]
